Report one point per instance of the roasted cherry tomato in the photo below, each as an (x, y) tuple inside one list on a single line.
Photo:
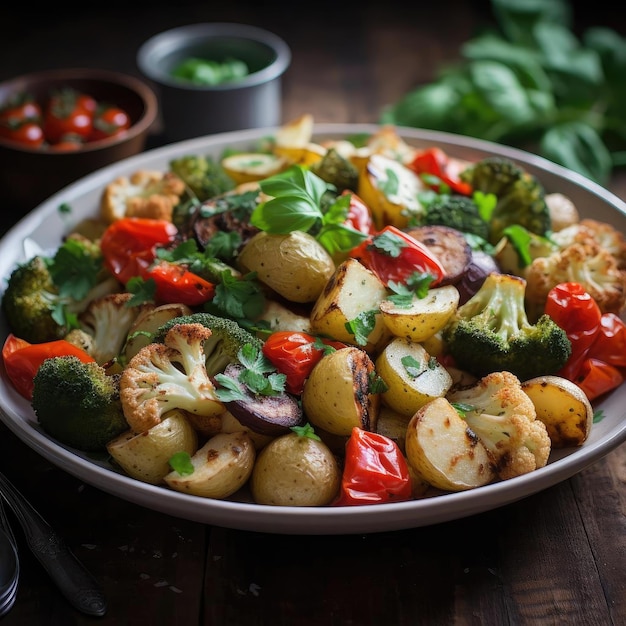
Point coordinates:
[(108, 122), (375, 471), (436, 162), (86, 103), (68, 143), (596, 378), (20, 121), (578, 314), (22, 359), (27, 133), (65, 115), (395, 256), (295, 354)]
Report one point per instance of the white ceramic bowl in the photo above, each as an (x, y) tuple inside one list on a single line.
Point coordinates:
[(43, 229)]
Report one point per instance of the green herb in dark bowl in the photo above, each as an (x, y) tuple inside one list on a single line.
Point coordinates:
[(208, 72)]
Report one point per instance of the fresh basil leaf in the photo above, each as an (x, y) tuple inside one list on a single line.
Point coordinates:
[(501, 89), (579, 147), (339, 238), (518, 18), (285, 214), (524, 62)]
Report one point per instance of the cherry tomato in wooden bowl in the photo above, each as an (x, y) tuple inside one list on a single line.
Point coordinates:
[(33, 167)]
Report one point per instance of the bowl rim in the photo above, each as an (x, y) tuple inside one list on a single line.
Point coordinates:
[(133, 83), (183, 34)]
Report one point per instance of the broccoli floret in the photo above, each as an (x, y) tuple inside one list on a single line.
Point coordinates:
[(203, 175), (170, 375), (520, 196), (222, 347), (491, 332), (458, 212), (505, 421), (44, 295), (78, 403), (337, 170)]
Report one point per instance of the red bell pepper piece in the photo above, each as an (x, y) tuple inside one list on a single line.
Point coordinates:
[(128, 244), (596, 378), (375, 471), (609, 344), (295, 354), (436, 162), (598, 339), (129, 248), (359, 216), (22, 359), (393, 255)]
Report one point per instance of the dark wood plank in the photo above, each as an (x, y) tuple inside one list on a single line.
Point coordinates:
[(148, 563)]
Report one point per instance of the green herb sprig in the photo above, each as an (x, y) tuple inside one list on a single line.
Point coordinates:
[(530, 82)]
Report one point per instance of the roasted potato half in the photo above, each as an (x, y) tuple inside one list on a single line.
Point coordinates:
[(221, 467), (147, 323), (424, 316), (145, 456), (443, 451), (391, 191), (252, 166), (294, 265), (563, 407), (294, 470), (413, 376), (336, 396), (351, 291)]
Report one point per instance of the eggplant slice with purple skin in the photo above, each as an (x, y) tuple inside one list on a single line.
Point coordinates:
[(266, 415)]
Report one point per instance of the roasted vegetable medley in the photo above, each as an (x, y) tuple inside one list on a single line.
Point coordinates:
[(330, 323)]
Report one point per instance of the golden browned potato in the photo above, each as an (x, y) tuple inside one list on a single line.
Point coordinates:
[(563, 407), (392, 424), (351, 291), (390, 190), (443, 451), (295, 470), (146, 456), (221, 467), (147, 323), (294, 265), (424, 316), (336, 396), (413, 376)]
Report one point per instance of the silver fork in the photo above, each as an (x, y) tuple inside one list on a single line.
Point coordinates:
[(67, 572), (11, 593)]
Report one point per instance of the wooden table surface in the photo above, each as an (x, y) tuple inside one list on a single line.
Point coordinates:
[(557, 557)]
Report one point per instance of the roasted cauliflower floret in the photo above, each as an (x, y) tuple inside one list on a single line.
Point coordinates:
[(171, 375), (587, 263), (602, 233), (504, 419), (104, 326), (145, 193)]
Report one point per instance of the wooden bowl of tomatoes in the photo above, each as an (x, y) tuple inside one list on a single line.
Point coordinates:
[(59, 125)]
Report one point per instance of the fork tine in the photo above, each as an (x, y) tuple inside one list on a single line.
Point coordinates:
[(4, 522)]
